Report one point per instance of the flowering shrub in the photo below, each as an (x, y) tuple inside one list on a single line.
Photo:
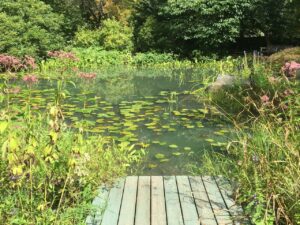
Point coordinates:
[(11, 63), (63, 55)]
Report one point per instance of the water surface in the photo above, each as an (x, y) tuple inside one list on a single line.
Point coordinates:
[(155, 111)]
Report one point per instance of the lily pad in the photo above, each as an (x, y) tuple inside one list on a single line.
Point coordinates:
[(159, 156), (173, 146), (176, 153)]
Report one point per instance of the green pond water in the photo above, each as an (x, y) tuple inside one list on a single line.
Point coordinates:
[(158, 113)]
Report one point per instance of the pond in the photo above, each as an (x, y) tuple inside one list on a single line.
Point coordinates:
[(158, 112)]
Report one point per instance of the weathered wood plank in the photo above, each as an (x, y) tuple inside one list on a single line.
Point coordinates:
[(174, 215), (216, 201), (99, 205), (111, 214), (143, 205), (158, 207), (188, 207), (127, 212), (235, 210), (206, 214)]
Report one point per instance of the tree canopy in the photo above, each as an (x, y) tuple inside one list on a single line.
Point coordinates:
[(29, 27), (184, 27)]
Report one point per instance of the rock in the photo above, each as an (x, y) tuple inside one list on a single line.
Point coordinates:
[(226, 80)]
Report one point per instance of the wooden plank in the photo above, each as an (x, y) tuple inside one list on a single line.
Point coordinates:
[(111, 214), (174, 215), (188, 207), (236, 211), (219, 207), (158, 207), (143, 204), (98, 206), (204, 209), (127, 212)]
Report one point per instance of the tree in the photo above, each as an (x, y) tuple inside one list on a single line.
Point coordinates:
[(112, 35), (267, 18), (73, 15), (29, 27), (186, 25)]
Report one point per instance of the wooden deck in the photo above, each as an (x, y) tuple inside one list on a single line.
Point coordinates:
[(168, 200)]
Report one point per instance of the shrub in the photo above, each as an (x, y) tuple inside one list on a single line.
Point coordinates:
[(86, 38), (29, 27), (112, 35), (115, 36), (287, 55), (11, 63), (151, 58)]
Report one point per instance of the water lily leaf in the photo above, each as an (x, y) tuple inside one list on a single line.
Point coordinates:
[(187, 148), (152, 166), (173, 146), (159, 156), (177, 113), (164, 160), (204, 111), (171, 129), (210, 140), (176, 153)]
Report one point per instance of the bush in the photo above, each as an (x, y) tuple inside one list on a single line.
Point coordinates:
[(151, 58), (111, 36), (115, 36), (29, 27), (287, 55), (86, 38)]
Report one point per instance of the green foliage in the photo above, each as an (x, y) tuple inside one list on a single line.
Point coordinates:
[(268, 18), (86, 38), (115, 36), (111, 36), (204, 25), (29, 27), (152, 58), (49, 173), (97, 58), (72, 13), (263, 156)]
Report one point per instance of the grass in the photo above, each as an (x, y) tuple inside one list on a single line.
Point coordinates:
[(263, 156)]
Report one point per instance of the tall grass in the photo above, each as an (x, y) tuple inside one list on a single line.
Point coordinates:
[(263, 157)]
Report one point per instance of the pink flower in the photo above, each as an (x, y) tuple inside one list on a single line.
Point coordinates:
[(87, 76), (290, 68), (63, 55), (9, 63), (30, 79), (264, 98), (29, 62)]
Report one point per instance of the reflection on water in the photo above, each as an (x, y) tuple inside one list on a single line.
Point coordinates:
[(156, 112)]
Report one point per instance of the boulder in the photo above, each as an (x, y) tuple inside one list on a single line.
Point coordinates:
[(225, 81)]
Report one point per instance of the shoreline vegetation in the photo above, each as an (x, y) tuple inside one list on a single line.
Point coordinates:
[(262, 159), (49, 173)]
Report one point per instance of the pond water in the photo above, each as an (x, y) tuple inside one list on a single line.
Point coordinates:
[(157, 112)]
